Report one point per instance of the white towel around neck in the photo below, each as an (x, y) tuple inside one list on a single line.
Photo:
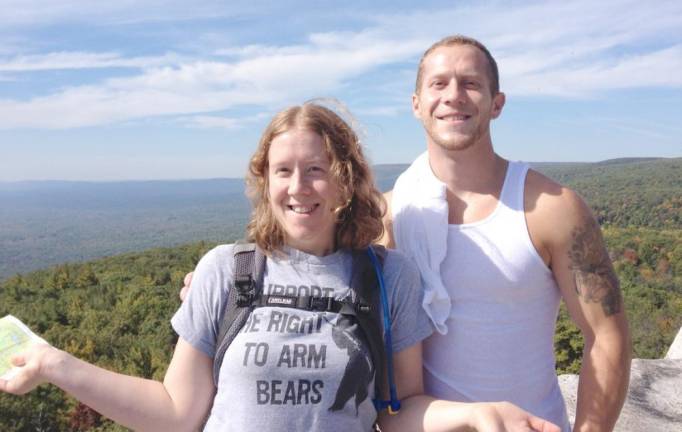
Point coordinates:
[(419, 212)]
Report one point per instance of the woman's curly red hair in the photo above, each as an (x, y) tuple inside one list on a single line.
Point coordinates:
[(359, 217)]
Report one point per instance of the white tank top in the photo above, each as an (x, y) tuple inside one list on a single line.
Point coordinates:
[(499, 344)]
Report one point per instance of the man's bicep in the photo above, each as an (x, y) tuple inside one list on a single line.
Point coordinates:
[(583, 270)]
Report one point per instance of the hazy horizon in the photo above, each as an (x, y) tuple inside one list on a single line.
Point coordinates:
[(180, 179)]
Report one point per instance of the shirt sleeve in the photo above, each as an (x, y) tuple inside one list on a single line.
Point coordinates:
[(409, 322), (197, 320)]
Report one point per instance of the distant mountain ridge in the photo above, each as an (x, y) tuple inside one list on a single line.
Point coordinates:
[(387, 172), (44, 223), (618, 161)]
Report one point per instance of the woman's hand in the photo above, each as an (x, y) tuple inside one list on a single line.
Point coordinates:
[(507, 417), (181, 402), (32, 365)]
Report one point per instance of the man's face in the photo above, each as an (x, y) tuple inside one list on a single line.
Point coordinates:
[(454, 102)]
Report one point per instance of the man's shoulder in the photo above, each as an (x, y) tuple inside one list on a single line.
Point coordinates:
[(552, 209), (548, 196), (537, 183)]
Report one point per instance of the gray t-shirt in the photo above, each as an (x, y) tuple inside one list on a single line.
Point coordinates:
[(291, 369)]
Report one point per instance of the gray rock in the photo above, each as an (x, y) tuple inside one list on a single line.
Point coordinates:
[(654, 401)]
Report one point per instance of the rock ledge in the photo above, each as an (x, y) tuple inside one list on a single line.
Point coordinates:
[(654, 401)]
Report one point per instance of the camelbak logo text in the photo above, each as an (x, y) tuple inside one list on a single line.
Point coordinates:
[(281, 300)]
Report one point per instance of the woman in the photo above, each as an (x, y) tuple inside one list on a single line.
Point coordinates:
[(314, 202)]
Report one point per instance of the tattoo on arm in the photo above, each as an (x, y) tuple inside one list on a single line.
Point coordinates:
[(593, 274)]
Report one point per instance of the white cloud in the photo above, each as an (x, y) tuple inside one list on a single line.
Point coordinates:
[(18, 13), (554, 49), (387, 110), (213, 122), (631, 125), (80, 60), (584, 81), (572, 49), (221, 122), (270, 77)]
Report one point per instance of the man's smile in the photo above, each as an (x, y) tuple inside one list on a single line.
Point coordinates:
[(453, 117)]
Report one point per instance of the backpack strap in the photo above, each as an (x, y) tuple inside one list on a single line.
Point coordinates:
[(249, 265), (367, 284), (377, 255)]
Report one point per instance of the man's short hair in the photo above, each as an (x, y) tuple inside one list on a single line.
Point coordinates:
[(493, 73)]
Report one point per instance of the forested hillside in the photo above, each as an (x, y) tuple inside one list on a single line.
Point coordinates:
[(115, 311), (627, 192)]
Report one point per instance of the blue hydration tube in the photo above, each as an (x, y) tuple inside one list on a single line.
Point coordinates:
[(393, 405)]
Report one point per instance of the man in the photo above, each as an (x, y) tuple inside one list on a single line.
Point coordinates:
[(498, 246)]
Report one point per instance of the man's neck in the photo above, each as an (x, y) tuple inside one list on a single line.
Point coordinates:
[(473, 178), (477, 169)]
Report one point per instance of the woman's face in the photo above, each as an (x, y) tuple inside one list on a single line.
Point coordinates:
[(301, 192)]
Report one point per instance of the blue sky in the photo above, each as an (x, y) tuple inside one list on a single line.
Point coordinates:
[(174, 89)]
